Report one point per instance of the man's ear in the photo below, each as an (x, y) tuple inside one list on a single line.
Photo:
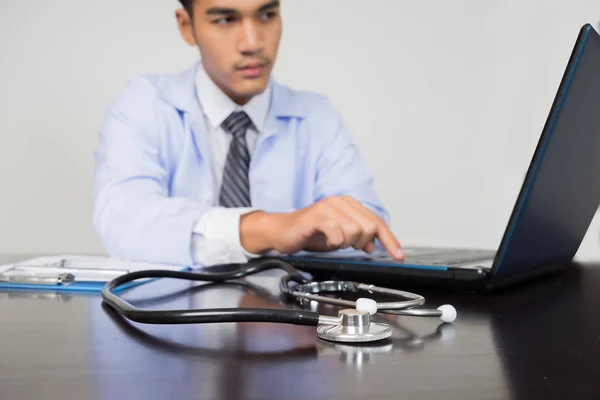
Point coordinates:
[(184, 22)]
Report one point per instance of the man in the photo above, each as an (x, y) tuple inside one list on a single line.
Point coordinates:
[(221, 164)]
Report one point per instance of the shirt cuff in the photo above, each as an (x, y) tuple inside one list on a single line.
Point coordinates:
[(216, 238)]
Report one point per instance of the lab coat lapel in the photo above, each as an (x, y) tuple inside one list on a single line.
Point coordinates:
[(197, 125), (272, 127), (282, 108), (181, 93), (273, 161)]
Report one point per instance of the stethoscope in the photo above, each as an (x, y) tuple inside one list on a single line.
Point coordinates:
[(352, 325)]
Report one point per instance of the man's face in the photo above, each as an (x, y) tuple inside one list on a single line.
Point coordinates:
[(238, 41)]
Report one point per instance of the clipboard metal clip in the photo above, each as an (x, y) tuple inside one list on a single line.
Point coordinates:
[(37, 277)]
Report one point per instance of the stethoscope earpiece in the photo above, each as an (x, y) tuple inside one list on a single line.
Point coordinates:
[(448, 313)]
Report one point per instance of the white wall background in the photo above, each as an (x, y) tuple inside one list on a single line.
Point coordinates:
[(445, 98)]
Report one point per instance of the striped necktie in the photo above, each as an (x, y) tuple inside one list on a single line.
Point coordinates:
[(235, 189)]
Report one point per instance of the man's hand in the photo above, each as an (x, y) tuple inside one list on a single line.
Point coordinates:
[(330, 224)]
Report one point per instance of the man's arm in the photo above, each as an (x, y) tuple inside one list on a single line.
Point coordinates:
[(347, 211), (133, 214)]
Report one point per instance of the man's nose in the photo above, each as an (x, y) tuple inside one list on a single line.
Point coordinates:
[(251, 39)]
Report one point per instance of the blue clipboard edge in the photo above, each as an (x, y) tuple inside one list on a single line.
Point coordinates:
[(82, 287)]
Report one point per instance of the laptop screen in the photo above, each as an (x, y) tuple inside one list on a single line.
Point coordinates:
[(561, 192)]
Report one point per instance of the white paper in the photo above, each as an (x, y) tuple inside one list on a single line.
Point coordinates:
[(89, 262)]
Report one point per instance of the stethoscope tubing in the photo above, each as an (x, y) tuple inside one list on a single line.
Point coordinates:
[(203, 316), (271, 315)]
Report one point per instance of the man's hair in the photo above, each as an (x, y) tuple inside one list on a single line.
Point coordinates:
[(187, 4)]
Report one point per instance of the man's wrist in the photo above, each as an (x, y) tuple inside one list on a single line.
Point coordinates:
[(256, 232)]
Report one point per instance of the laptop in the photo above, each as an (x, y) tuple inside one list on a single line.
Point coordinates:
[(552, 214)]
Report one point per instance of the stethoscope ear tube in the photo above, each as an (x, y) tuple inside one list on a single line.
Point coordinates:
[(303, 291)]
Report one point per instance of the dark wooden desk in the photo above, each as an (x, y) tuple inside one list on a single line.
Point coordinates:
[(539, 341)]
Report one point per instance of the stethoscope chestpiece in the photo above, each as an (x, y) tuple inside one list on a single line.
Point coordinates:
[(354, 326)]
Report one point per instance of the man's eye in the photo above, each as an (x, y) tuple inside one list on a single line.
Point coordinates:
[(224, 20), (269, 15)]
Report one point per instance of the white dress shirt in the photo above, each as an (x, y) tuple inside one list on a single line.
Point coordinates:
[(216, 238)]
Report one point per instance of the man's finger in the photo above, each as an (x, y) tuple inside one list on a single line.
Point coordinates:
[(332, 231), (366, 220), (351, 228), (389, 241), (386, 237)]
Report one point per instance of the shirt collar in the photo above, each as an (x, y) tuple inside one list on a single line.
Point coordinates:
[(218, 106)]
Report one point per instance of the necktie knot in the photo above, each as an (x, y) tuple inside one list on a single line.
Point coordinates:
[(237, 123)]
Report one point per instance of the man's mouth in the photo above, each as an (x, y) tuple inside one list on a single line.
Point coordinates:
[(252, 70)]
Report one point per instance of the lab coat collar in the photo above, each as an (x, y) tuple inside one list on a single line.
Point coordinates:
[(180, 92), (217, 106)]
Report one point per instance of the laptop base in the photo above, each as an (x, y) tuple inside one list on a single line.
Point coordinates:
[(473, 276)]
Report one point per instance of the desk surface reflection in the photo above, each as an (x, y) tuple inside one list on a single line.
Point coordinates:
[(540, 340)]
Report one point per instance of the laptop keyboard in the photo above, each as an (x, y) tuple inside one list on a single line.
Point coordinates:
[(440, 257)]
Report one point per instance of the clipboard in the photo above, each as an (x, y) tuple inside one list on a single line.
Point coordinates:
[(72, 273)]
